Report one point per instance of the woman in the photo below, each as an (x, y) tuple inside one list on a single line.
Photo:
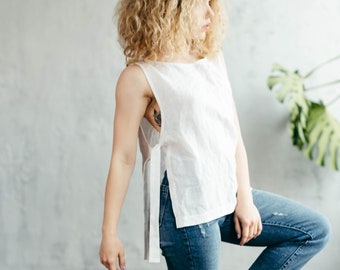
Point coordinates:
[(175, 97)]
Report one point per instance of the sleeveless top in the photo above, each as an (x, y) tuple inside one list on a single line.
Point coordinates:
[(196, 145)]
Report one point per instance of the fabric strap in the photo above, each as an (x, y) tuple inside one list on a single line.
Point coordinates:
[(155, 175)]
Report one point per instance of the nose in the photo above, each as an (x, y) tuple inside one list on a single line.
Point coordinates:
[(210, 13)]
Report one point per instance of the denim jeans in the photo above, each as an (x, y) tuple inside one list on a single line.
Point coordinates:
[(292, 234)]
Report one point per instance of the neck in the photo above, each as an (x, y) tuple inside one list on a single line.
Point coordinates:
[(183, 57)]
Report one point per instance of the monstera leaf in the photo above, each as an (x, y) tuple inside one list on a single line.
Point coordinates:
[(323, 133), (289, 88), (312, 128)]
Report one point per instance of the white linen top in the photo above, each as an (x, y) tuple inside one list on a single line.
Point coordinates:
[(196, 145)]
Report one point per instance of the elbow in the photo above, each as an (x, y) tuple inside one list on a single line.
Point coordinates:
[(125, 159)]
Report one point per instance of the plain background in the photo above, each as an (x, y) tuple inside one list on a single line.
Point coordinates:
[(59, 63)]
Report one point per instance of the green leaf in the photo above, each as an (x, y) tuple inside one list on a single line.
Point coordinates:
[(288, 87), (312, 128), (323, 132)]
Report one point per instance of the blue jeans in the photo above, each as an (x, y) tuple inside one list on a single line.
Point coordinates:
[(292, 234)]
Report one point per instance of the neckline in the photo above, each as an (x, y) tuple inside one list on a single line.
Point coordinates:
[(183, 63)]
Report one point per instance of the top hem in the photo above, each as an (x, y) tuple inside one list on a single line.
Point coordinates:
[(209, 216)]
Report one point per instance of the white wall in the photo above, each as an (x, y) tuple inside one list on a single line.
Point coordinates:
[(59, 63)]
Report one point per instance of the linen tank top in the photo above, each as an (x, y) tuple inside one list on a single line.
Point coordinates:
[(196, 145)]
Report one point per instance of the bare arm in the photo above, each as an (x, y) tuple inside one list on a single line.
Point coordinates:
[(132, 98), (243, 191), (247, 218)]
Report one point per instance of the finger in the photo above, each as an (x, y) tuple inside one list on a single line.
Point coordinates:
[(121, 257), (245, 235), (106, 264), (237, 228), (112, 265), (259, 228), (252, 232), (256, 231)]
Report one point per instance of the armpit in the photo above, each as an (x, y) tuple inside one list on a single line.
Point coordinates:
[(153, 114)]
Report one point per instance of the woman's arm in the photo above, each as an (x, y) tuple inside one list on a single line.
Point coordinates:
[(132, 98), (247, 218)]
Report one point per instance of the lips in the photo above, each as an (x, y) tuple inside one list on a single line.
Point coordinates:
[(207, 26)]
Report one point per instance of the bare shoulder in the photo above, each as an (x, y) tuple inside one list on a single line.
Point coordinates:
[(132, 80)]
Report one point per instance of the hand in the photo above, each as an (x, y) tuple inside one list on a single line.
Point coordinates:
[(111, 249), (247, 221)]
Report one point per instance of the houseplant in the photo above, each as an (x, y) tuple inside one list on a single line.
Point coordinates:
[(312, 128)]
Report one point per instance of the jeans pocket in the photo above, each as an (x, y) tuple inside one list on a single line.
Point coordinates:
[(164, 196)]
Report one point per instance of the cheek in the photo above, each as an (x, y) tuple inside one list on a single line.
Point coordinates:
[(195, 32), (198, 14), (198, 34), (196, 23)]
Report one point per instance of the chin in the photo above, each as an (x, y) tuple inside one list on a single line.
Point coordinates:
[(202, 36)]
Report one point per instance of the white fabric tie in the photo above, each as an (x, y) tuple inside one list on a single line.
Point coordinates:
[(155, 176)]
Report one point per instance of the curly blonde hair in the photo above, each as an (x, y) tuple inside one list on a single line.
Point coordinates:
[(148, 30)]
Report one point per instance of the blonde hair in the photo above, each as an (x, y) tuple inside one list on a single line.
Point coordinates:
[(150, 29)]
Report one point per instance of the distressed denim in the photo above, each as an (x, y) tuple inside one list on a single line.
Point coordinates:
[(292, 234)]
